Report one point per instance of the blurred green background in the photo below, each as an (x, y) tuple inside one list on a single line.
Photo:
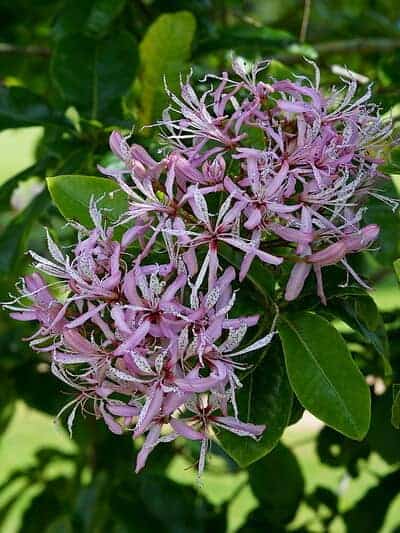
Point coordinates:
[(99, 63)]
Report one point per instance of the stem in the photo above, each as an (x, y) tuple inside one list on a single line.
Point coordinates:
[(305, 21)]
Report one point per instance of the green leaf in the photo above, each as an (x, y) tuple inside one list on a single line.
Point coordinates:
[(93, 75), (259, 275), (389, 223), (46, 506), (164, 51), (337, 450), (382, 436), (393, 164), (323, 375), (8, 401), (265, 480), (61, 524), (258, 520), (266, 398), (20, 108), (71, 18), (102, 14), (396, 266), (255, 137), (265, 39), (396, 406), (179, 508), (362, 314), (368, 514), (93, 17), (72, 195), (14, 236), (8, 187)]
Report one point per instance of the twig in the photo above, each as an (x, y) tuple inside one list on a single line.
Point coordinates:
[(31, 50), (361, 46), (305, 21)]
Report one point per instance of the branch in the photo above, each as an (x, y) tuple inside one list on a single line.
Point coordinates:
[(31, 50), (362, 45), (359, 45)]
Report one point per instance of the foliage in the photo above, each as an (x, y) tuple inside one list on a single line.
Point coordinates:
[(80, 70)]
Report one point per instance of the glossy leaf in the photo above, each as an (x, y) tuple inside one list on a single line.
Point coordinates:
[(164, 52), (323, 375), (93, 74), (265, 478), (72, 195), (266, 398)]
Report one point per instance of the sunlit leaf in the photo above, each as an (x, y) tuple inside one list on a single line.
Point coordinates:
[(72, 195), (164, 52), (323, 375)]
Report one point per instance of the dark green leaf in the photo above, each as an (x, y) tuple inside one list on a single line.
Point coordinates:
[(297, 411), (72, 195), (337, 450), (265, 480), (396, 406), (320, 497), (103, 13), (362, 314), (259, 275), (246, 37), (368, 514), (19, 108), (266, 398), (72, 18), (61, 524), (382, 436), (389, 223), (164, 51), (8, 187), (14, 236), (258, 520), (323, 375), (179, 507), (46, 506), (7, 401), (91, 506), (93, 75)]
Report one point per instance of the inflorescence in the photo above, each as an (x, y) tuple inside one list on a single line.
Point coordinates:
[(143, 332)]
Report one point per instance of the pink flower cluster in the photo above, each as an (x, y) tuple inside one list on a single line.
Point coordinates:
[(142, 331)]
